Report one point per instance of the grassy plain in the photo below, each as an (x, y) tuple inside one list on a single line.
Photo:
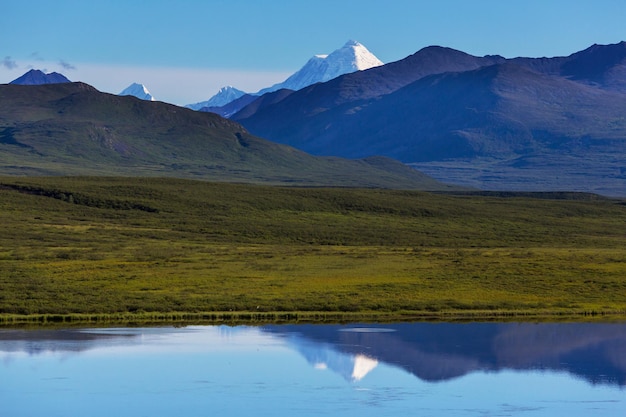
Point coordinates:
[(80, 248)]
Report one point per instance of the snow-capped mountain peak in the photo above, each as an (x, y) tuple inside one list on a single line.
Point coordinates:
[(351, 57), (137, 90), (223, 97), (357, 55)]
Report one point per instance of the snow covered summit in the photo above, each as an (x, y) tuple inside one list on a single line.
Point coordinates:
[(223, 97), (137, 90), (351, 57)]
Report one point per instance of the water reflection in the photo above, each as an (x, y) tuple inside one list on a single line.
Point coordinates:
[(306, 370), (442, 351), (351, 366), (430, 351)]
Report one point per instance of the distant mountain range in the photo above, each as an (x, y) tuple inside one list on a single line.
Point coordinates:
[(38, 77), (226, 95), (351, 57), (489, 122), (73, 129), (444, 351), (137, 90), (521, 124)]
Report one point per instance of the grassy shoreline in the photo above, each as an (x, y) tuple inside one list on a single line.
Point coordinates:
[(294, 317), (134, 249)]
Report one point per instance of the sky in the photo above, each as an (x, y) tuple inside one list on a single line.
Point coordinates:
[(185, 50)]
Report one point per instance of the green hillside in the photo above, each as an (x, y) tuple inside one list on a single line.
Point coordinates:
[(73, 129)]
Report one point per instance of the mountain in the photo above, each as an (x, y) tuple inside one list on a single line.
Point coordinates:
[(231, 108), (375, 82), (224, 96), (266, 100), (495, 111), (73, 129), (351, 57), (137, 90), (520, 124), (37, 77), (602, 66)]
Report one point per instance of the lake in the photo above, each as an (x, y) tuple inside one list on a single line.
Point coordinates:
[(403, 369)]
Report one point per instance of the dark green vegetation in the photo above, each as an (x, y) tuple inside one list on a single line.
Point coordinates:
[(73, 129), (149, 249)]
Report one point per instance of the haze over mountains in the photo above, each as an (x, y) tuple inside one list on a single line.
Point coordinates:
[(490, 122)]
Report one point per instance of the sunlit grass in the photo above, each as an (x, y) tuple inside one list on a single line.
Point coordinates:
[(211, 248)]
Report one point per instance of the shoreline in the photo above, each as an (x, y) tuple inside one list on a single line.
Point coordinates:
[(300, 317)]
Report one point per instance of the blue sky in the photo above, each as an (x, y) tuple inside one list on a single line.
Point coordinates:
[(185, 50)]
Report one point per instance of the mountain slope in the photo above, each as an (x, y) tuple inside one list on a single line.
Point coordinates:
[(496, 111), (602, 66), (527, 124), (73, 129), (37, 77), (363, 85), (292, 120)]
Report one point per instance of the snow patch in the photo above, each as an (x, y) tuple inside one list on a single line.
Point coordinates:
[(362, 366)]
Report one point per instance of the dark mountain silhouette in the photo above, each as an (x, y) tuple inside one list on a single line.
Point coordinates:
[(530, 124), (499, 111), (604, 65), (37, 77), (73, 129), (599, 65)]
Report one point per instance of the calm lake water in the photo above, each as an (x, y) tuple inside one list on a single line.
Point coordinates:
[(410, 369)]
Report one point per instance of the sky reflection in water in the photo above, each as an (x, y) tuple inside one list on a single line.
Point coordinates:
[(367, 370)]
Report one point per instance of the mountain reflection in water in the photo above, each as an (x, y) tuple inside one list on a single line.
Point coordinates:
[(442, 351), (430, 351)]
